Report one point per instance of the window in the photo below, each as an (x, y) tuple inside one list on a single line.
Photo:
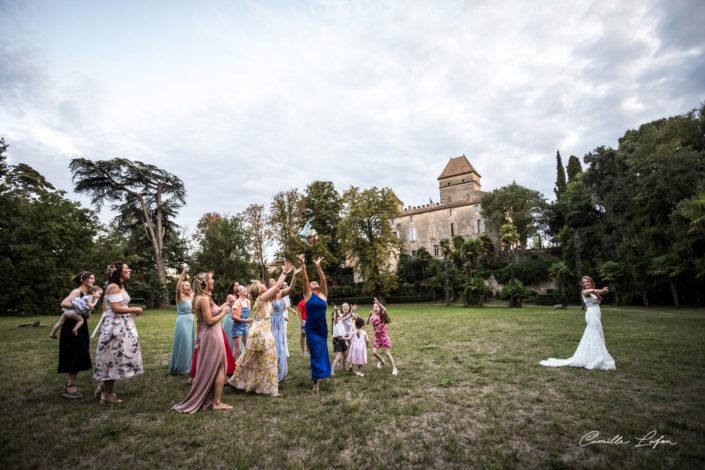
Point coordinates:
[(450, 211), (480, 226), (412, 234), (436, 250), (398, 227), (477, 207), (452, 232), (413, 252)]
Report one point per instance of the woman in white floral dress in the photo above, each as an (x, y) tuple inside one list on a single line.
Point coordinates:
[(118, 355)]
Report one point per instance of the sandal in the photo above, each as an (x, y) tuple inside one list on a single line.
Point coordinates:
[(114, 400), (98, 392), (75, 394)]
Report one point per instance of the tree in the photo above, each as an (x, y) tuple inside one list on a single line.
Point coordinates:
[(322, 205), (287, 218), (560, 271), (44, 240), (574, 168), (368, 238), (260, 234), (137, 189), (446, 251), (223, 246), (612, 272), (515, 204), (560, 177)]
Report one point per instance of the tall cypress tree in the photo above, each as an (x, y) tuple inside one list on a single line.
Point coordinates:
[(560, 176), (574, 167)]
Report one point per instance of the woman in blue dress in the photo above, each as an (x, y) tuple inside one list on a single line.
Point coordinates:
[(184, 337), (279, 326), (315, 296)]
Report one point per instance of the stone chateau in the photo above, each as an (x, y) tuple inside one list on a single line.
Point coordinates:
[(457, 213)]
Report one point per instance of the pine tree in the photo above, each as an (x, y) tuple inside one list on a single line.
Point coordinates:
[(560, 176)]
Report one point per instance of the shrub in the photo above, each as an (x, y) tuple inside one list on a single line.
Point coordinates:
[(476, 292), (515, 292)]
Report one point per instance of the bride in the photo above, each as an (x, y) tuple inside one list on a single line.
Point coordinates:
[(592, 351)]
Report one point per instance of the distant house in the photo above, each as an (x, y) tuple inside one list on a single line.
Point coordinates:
[(457, 213)]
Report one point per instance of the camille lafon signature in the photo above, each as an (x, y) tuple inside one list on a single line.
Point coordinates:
[(650, 439)]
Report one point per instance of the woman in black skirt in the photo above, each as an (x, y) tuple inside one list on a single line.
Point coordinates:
[(74, 355)]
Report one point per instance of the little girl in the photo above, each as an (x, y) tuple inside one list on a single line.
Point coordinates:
[(339, 344), (358, 346), (380, 319), (82, 306)]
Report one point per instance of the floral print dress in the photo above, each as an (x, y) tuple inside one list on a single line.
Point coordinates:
[(382, 339), (118, 355), (257, 367)]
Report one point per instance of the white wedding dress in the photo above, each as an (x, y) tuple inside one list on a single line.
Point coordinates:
[(592, 351)]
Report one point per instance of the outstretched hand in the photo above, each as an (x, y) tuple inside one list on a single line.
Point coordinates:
[(301, 258), (317, 261), (297, 270), (287, 267)]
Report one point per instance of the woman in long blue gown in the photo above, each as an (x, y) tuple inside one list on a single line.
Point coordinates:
[(184, 337), (315, 296), (279, 327)]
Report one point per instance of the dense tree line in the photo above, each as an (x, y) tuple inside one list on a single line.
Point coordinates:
[(632, 217)]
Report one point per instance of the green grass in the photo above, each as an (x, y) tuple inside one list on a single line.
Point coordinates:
[(470, 393)]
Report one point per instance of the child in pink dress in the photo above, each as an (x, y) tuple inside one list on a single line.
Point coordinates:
[(357, 354), (380, 319)]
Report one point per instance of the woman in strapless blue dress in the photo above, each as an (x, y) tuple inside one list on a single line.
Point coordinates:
[(184, 336), (315, 296)]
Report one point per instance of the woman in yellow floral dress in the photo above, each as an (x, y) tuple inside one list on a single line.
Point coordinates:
[(257, 368)]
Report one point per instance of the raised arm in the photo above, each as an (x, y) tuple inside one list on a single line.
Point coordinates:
[(293, 283), (179, 282), (269, 294), (322, 277), (600, 292), (304, 277)]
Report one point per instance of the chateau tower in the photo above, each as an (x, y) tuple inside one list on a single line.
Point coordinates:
[(459, 182)]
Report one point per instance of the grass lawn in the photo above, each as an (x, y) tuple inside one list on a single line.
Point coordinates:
[(469, 393)]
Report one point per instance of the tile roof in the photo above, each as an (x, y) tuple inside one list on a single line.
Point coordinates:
[(457, 166)]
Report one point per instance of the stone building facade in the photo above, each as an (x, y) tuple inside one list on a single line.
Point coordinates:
[(457, 213)]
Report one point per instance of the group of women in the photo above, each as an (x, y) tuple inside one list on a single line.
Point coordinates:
[(262, 365)]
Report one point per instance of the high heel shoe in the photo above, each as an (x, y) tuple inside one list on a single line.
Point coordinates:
[(113, 400), (98, 392)]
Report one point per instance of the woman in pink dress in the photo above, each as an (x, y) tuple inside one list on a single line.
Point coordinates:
[(380, 319), (207, 387)]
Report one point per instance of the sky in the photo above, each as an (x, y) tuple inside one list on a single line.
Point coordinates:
[(243, 99)]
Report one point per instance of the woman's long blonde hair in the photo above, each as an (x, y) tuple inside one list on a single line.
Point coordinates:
[(253, 294), (200, 284)]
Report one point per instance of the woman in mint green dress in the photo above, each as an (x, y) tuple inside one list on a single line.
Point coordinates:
[(184, 337)]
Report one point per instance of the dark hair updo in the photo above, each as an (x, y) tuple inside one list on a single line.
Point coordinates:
[(114, 273), (80, 277)]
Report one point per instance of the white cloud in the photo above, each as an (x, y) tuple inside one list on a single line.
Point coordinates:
[(243, 100)]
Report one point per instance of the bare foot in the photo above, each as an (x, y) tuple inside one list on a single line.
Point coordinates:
[(222, 406)]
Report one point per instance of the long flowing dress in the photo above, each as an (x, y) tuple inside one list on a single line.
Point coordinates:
[(228, 329), (229, 358), (211, 358), (317, 337), (257, 366), (592, 352), (184, 339), (118, 354), (279, 333), (74, 353)]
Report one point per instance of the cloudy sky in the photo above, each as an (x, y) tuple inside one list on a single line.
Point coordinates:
[(241, 99)]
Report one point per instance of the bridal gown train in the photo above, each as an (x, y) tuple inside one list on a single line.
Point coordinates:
[(592, 351)]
